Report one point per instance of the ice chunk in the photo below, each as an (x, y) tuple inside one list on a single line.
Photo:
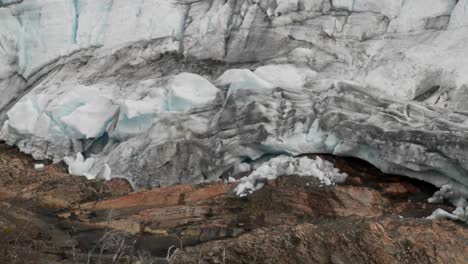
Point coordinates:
[(442, 214), (23, 116), (321, 169), (448, 193), (39, 166), (99, 171), (242, 167), (49, 124), (89, 176), (245, 187), (231, 180), (187, 90), (133, 108), (242, 79), (286, 76), (445, 192), (136, 117), (27, 116), (80, 166), (90, 120), (106, 174)]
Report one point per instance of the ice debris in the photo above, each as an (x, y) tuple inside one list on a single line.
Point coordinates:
[(39, 167), (286, 165), (447, 193), (80, 166)]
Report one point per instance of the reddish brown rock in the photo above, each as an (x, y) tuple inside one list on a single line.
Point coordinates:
[(373, 218), (346, 240)]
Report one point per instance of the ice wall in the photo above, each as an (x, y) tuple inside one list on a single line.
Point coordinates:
[(41, 31), (395, 93), (46, 30)]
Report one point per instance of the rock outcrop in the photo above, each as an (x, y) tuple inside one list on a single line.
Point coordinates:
[(48, 216)]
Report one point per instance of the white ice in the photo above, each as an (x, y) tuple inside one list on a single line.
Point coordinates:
[(286, 75), (447, 193), (91, 119), (318, 168), (39, 166), (56, 28), (238, 79), (79, 166), (187, 90), (266, 77), (136, 116)]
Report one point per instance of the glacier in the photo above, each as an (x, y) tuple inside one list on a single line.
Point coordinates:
[(165, 92)]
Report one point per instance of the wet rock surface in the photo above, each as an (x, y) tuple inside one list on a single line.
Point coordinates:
[(48, 216)]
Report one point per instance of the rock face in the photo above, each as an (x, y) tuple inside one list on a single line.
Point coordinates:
[(298, 244), (48, 216), (381, 81)]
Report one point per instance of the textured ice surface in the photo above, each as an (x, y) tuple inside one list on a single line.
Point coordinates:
[(62, 116), (450, 194), (379, 80), (47, 29), (91, 119), (136, 116), (422, 14), (318, 168), (64, 119), (237, 79), (285, 75), (187, 90)]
